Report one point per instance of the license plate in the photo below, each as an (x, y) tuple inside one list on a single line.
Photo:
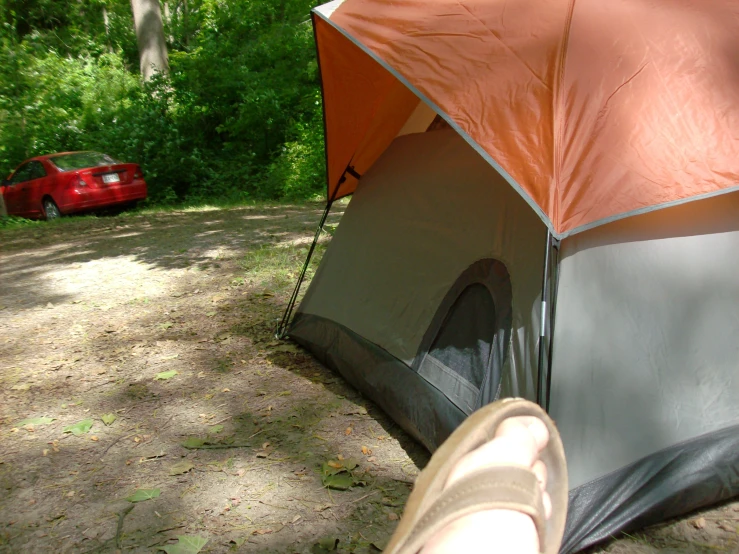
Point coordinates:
[(109, 178)]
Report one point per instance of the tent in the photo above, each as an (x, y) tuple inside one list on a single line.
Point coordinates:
[(546, 205)]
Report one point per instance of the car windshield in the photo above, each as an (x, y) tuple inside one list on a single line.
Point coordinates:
[(81, 160)]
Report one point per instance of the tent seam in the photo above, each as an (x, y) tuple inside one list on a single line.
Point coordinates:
[(557, 122)]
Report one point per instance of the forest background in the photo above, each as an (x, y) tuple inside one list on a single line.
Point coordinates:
[(235, 116)]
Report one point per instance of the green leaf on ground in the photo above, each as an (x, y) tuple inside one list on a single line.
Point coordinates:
[(216, 429), (338, 475), (164, 375), (341, 481), (79, 428), (193, 442), (144, 494), (35, 421), (325, 545), (350, 464), (186, 544), (165, 326), (182, 467), (108, 419)]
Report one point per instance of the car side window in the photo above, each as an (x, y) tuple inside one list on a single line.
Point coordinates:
[(22, 174), (37, 171)]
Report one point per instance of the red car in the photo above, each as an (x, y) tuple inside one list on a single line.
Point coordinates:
[(59, 184)]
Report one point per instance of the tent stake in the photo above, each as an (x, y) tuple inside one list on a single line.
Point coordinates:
[(540, 396), (281, 330)]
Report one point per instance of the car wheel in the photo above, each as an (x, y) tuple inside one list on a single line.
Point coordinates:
[(51, 211)]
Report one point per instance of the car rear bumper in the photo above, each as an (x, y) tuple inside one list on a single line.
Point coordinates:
[(88, 198)]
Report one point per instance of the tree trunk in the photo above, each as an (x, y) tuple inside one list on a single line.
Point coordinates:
[(185, 23), (106, 22), (147, 20), (168, 21)]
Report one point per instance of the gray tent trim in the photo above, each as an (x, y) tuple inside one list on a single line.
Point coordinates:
[(666, 484), (487, 157), (650, 209)]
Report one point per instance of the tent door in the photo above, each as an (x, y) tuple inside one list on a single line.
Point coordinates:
[(463, 351)]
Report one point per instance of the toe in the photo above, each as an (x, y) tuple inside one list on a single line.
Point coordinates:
[(514, 444), (534, 425), (540, 470)]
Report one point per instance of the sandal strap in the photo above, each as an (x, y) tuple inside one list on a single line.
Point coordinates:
[(493, 488)]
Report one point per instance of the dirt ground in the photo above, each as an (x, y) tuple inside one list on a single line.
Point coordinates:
[(150, 336)]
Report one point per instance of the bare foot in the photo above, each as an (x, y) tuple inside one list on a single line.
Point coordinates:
[(518, 441)]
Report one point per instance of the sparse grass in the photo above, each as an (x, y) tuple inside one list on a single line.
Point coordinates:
[(137, 391), (212, 204), (187, 206), (223, 365), (276, 267), (13, 222)]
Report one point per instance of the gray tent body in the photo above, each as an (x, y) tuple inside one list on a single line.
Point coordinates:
[(428, 300)]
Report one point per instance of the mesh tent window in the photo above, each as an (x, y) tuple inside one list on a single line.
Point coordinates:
[(464, 348)]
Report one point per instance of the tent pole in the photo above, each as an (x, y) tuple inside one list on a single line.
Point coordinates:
[(282, 326), (540, 396), (281, 330), (553, 310)]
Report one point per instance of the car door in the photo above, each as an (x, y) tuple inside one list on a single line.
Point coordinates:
[(14, 196), (34, 189)]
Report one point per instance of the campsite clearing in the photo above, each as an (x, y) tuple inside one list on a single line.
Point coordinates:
[(155, 330)]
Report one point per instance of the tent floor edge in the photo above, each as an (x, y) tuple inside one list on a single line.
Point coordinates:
[(694, 474), (407, 398)]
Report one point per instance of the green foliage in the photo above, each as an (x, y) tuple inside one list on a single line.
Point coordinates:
[(299, 169), (238, 117), (16, 222)]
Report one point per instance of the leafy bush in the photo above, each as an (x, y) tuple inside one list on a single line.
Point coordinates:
[(238, 116), (299, 171)]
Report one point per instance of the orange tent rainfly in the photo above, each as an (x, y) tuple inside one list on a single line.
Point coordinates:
[(545, 204), (592, 110)]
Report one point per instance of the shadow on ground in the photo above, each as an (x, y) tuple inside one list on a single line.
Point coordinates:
[(166, 322)]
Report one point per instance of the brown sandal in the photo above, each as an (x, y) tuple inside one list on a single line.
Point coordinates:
[(507, 487)]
